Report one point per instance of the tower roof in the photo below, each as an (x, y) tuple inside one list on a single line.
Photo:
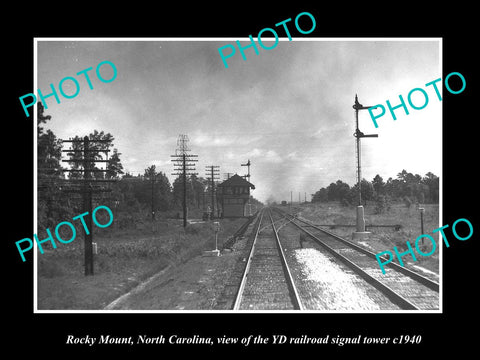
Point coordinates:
[(236, 180)]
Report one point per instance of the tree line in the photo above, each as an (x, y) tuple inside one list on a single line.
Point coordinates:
[(132, 197), (405, 187)]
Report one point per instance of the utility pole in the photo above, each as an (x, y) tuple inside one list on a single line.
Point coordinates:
[(291, 200), (150, 173), (183, 163), (88, 163), (204, 193), (212, 173), (153, 198), (358, 135)]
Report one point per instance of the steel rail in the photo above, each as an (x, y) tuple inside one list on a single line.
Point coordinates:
[(297, 303), (415, 276), (390, 293), (238, 297)]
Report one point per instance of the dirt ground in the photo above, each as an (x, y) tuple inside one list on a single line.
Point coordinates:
[(128, 261), (193, 285)]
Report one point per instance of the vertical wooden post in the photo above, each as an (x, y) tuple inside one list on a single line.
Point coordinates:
[(87, 207), (184, 158)]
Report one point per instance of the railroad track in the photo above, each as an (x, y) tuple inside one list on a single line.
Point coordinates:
[(266, 282), (404, 288)]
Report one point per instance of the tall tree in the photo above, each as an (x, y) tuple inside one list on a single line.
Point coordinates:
[(155, 190), (338, 190), (114, 166), (49, 148), (150, 175), (367, 192), (320, 196), (50, 175), (77, 154), (194, 186), (378, 184), (199, 186), (433, 183)]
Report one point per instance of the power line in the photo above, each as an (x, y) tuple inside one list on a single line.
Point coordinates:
[(87, 161), (184, 164), (213, 173)]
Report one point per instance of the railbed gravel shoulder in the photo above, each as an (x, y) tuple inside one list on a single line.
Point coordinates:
[(194, 285)]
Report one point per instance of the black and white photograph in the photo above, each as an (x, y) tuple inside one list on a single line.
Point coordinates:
[(257, 186), (242, 183)]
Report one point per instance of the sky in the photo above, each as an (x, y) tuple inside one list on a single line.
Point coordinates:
[(288, 110)]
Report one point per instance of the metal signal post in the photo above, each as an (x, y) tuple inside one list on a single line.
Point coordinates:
[(248, 166), (248, 177), (358, 135)]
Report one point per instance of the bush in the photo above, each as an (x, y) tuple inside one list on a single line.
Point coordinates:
[(49, 268), (407, 201), (345, 202), (382, 204)]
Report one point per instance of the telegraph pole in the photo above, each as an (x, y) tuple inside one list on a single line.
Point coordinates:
[(358, 135), (291, 200), (150, 173), (183, 163), (153, 198), (87, 206), (184, 177), (87, 162), (212, 173)]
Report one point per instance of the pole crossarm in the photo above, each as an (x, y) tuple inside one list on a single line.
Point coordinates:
[(86, 187), (183, 166), (90, 140), (81, 150)]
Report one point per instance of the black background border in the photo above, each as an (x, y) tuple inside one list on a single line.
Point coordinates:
[(46, 333)]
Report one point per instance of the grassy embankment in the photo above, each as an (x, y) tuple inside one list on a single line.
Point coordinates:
[(383, 239), (125, 258)]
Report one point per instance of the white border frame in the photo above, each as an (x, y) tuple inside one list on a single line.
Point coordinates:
[(226, 39)]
